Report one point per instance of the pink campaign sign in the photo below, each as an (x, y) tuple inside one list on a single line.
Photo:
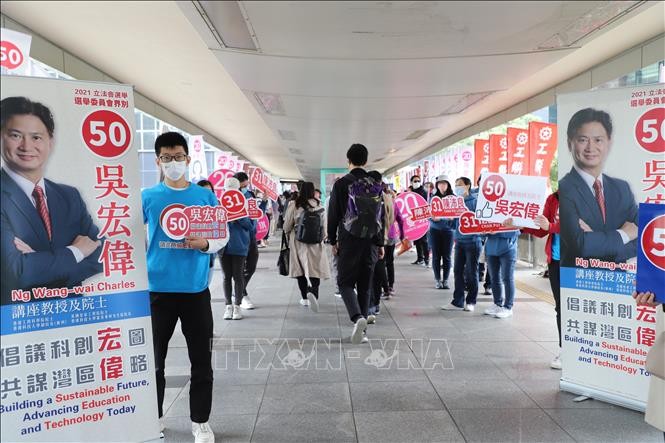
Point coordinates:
[(406, 203), (262, 227)]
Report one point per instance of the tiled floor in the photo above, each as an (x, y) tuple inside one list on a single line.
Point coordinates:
[(285, 374)]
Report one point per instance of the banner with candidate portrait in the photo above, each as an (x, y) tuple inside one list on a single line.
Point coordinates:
[(611, 158), (76, 354), (198, 165)]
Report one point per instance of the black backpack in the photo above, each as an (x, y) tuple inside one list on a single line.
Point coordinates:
[(309, 228), (364, 210)]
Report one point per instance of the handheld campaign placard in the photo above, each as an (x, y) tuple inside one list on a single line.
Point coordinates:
[(651, 250)]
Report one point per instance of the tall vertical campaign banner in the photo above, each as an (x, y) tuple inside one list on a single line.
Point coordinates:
[(518, 151), (198, 166), (76, 353), (465, 163), (542, 146), (498, 154), (611, 159), (481, 149)]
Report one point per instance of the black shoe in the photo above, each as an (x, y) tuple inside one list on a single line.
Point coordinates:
[(445, 285), (487, 292), (418, 262)]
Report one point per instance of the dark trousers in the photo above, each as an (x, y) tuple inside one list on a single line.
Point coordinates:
[(555, 284), (355, 263), (422, 248), (502, 270), (304, 286), (390, 264), (251, 261), (442, 248), (195, 316), (233, 267), (466, 273), (269, 215), (380, 280)]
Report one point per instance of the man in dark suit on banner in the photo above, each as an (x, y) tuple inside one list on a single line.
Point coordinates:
[(598, 213), (48, 237)]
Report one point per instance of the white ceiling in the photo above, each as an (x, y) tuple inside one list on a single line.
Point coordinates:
[(338, 72)]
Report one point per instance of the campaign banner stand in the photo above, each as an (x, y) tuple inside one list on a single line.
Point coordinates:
[(76, 355), (605, 335)]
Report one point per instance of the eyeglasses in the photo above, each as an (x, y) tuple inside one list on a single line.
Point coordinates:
[(168, 158)]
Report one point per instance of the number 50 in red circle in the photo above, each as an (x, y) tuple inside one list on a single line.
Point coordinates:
[(106, 133), (653, 242), (494, 187)]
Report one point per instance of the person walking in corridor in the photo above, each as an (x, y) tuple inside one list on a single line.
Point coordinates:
[(305, 227), (355, 231)]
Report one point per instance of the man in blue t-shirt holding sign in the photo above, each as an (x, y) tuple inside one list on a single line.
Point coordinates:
[(178, 280)]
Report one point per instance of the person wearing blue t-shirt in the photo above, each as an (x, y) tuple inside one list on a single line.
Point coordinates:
[(176, 294)]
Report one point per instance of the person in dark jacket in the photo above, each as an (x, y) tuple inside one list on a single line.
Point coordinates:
[(467, 251), (253, 251), (233, 259), (356, 256), (441, 232), (422, 248)]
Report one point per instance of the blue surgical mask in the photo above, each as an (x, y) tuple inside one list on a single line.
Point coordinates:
[(460, 190)]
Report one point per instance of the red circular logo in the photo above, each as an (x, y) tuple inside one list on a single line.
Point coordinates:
[(233, 201), (106, 133), (11, 56), (174, 222), (650, 130), (494, 187), (653, 242)]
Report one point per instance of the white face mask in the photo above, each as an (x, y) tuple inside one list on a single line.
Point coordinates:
[(416, 185), (174, 170), (460, 190)]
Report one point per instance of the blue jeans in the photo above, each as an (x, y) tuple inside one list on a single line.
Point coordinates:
[(466, 272), (502, 274), (441, 242)]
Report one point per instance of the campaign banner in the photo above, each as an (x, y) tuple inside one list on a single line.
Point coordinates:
[(218, 178), (198, 165), (542, 147), (235, 204), (612, 161), (253, 210), (651, 250), (465, 164), (406, 203), (518, 151), (179, 221), (262, 227), (481, 148), (504, 196), (469, 224), (451, 206), (76, 355), (498, 154), (222, 159), (14, 52), (263, 182)]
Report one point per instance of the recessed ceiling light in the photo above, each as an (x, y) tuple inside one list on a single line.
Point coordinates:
[(416, 134), (271, 103)]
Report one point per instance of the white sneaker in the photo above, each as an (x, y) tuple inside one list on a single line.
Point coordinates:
[(503, 313), (313, 302), (451, 307), (304, 302), (364, 339), (338, 294), (492, 310), (246, 303), (469, 308), (556, 363), (371, 319), (202, 433), (161, 427), (236, 313), (358, 331), (228, 312)]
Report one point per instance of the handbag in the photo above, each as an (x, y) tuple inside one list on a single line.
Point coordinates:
[(656, 357), (284, 254)]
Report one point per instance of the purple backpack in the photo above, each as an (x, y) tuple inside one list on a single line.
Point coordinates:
[(364, 209)]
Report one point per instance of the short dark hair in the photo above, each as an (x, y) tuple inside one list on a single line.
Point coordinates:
[(589, 115), (205, 182), (376, 176), (11, 106), (241, 176), (357, 154), (466, 180), (170, 140), (317, 190), (414, 177)]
